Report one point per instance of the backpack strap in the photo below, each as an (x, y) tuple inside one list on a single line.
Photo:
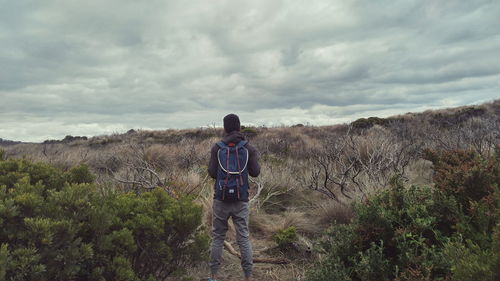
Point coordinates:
[(242, 143), (221, 144)]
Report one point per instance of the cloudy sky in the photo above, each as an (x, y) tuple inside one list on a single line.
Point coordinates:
[(98, 67)]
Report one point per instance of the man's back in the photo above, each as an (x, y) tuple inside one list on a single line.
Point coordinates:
[(238, 210), (234, 137)]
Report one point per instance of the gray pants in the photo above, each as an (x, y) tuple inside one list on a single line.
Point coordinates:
[(222, 211)]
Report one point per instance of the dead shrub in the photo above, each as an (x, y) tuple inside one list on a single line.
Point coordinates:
[(158, 156)]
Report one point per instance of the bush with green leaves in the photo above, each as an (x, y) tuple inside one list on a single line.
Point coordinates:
[(449, 231), (470, 262), (284, 238), (56, 226)]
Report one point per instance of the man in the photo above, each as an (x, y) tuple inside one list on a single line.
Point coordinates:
[(227, 202)]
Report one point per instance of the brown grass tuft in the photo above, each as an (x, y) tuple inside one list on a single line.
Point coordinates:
[(330, 211)]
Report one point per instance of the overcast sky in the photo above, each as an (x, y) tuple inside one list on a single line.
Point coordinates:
[(94, 67)]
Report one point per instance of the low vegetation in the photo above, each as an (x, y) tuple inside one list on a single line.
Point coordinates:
[(409, 197), (56, 226), (447, 232), (284, 238)]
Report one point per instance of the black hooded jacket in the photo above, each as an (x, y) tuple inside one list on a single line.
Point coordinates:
[(235, 137)]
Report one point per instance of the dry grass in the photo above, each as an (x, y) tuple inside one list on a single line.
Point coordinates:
[(287, 154), (421, 173), (329, 212)]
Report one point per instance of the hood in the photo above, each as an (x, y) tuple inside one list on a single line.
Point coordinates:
[(234, 137)]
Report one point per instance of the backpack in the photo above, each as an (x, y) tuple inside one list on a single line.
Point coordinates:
[(232, 173)]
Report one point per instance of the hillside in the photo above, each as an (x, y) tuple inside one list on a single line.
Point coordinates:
[(310, 175), (8, 142)]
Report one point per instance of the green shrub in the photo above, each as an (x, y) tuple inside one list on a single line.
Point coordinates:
[(4, 255), (284, 238), (464, 174), (366, 123), (470, 262), (392, 232), (55, 226), (80, 174), (249, 131), (373, 265), (418, 233), (473, 182), (331, 268)]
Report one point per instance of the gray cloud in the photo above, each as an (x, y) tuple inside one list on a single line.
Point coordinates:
[(94, 67)]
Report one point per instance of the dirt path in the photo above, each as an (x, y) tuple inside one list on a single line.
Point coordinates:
[(231, 268)]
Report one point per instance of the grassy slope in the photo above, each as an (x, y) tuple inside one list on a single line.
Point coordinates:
[(180, 157)]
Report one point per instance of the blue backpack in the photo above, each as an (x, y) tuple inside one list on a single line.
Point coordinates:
[(232, 173)]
